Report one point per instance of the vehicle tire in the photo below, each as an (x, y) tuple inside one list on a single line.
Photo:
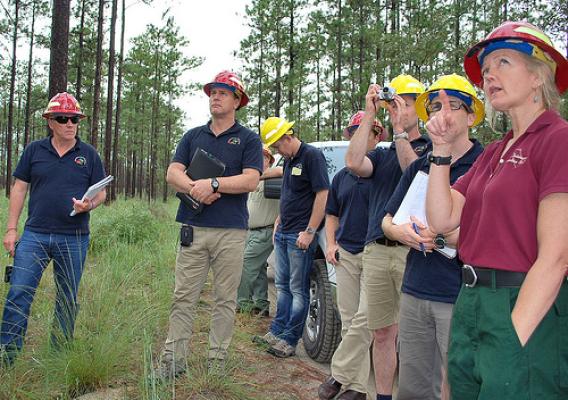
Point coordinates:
[(322, 332)]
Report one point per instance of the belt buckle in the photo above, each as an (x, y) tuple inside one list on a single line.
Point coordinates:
[(470, 268)]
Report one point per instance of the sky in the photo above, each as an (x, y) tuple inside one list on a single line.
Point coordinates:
[(214, 28)]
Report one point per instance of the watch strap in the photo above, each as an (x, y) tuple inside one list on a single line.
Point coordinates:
[(439, 160)]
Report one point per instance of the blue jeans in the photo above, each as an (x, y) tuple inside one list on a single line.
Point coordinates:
[(33, 253), (292, 280)]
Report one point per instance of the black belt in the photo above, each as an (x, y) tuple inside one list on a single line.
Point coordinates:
[(474, 276), (261, 227), (387, 242)]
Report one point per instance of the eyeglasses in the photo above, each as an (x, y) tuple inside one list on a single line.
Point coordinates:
[(454, 105), (63, 120)]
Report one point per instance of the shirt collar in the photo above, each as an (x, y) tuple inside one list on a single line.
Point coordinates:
[(46, 143), (471, 155), (234, 128)]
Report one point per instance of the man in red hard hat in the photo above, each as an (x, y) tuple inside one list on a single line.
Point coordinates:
[(57, 170), (214, 236)]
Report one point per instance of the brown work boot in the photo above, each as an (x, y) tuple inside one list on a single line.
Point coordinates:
[(282, 349), (352, 395), (329, 389)]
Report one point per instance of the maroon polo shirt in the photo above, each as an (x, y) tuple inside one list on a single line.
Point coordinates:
[(499, 218)]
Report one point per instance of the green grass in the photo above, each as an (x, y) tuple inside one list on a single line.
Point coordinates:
[(125, 296)]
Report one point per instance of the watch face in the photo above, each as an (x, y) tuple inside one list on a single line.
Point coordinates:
[(440, 242)]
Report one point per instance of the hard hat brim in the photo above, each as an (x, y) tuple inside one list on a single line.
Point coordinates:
[(281, 132), (242, 95)]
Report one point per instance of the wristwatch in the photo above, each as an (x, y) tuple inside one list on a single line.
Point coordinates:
[(214, 184), (438, 160), (310, 230), (440, 241), (402, 135)]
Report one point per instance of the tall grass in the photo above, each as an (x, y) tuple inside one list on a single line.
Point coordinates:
[(125, 296)]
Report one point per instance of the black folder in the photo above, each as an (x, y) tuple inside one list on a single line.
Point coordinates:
[(203, 165)]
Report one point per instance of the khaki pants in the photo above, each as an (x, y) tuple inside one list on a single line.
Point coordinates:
[(221, 250), (384, 270), (351, 362)]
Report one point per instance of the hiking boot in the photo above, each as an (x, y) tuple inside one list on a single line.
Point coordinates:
[(169, 369), (216, 366), (267, 340), (282, 349), (329, 389)]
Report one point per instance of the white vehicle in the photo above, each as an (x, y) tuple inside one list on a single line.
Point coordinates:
[(322, 332)]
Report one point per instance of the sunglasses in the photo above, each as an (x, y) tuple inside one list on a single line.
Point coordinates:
[(377, 130), (63, 120), (454, 105)]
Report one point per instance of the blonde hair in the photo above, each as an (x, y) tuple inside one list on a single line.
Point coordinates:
[(548, 91)]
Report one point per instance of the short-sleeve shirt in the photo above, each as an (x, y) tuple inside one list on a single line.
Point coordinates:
[(238, 148), (54, 181), (434, 277), (502, 195), (305, 174), (348, 199), (386, 174), (262, 211)]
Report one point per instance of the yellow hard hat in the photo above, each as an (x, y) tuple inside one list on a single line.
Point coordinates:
[(273, 129), (449, 83), (407, 84)]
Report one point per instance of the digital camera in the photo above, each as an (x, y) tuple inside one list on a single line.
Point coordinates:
[(387, 94)]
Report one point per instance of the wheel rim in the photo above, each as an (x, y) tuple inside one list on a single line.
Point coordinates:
[(312, 326)]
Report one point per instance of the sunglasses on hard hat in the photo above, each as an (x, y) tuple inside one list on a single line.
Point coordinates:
[(63, 119), (454, 105), (377, 129)]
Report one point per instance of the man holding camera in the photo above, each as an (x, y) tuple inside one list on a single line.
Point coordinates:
[(215, 236), (383, 259)]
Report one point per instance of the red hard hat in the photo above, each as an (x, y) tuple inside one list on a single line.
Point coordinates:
[(231, 81), (518, 32), (355, 121), (63, 103)]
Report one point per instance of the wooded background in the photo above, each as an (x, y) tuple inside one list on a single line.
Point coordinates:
[(310, 61)]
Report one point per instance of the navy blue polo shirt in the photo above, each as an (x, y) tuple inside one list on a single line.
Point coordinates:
[(237, 147), (54, 181), (348, 199), (386, 174), (304, 175), (434, 277)]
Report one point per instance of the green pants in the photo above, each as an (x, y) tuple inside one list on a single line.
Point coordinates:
[(486, 360), (253, 290)]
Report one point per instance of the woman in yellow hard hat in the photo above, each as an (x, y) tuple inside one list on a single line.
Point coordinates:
[(509, 337)]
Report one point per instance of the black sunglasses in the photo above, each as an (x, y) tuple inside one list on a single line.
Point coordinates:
[(63, 120)]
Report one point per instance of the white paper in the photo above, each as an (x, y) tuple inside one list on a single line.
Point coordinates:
[(95, 189), (414, 204)]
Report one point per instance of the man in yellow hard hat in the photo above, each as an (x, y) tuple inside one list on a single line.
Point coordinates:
[(432, 280), (384, 259), (302, 207)]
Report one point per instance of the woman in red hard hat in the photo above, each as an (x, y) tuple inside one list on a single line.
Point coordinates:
[(509, 335), (56, 171)]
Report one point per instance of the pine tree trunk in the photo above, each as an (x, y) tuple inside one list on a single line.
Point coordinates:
[(110, 91), (98, 69), (29, 83), (78, 83), (9, 131), (59, 54)]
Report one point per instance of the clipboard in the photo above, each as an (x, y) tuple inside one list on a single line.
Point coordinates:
[(203, 165)]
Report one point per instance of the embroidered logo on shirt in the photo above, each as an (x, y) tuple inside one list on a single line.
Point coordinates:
[(234, 140), (297, 169), (81, 161), (517, 158)]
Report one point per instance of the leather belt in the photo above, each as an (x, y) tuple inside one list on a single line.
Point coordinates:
[(261, 227), (387, 242), (487, 277)]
